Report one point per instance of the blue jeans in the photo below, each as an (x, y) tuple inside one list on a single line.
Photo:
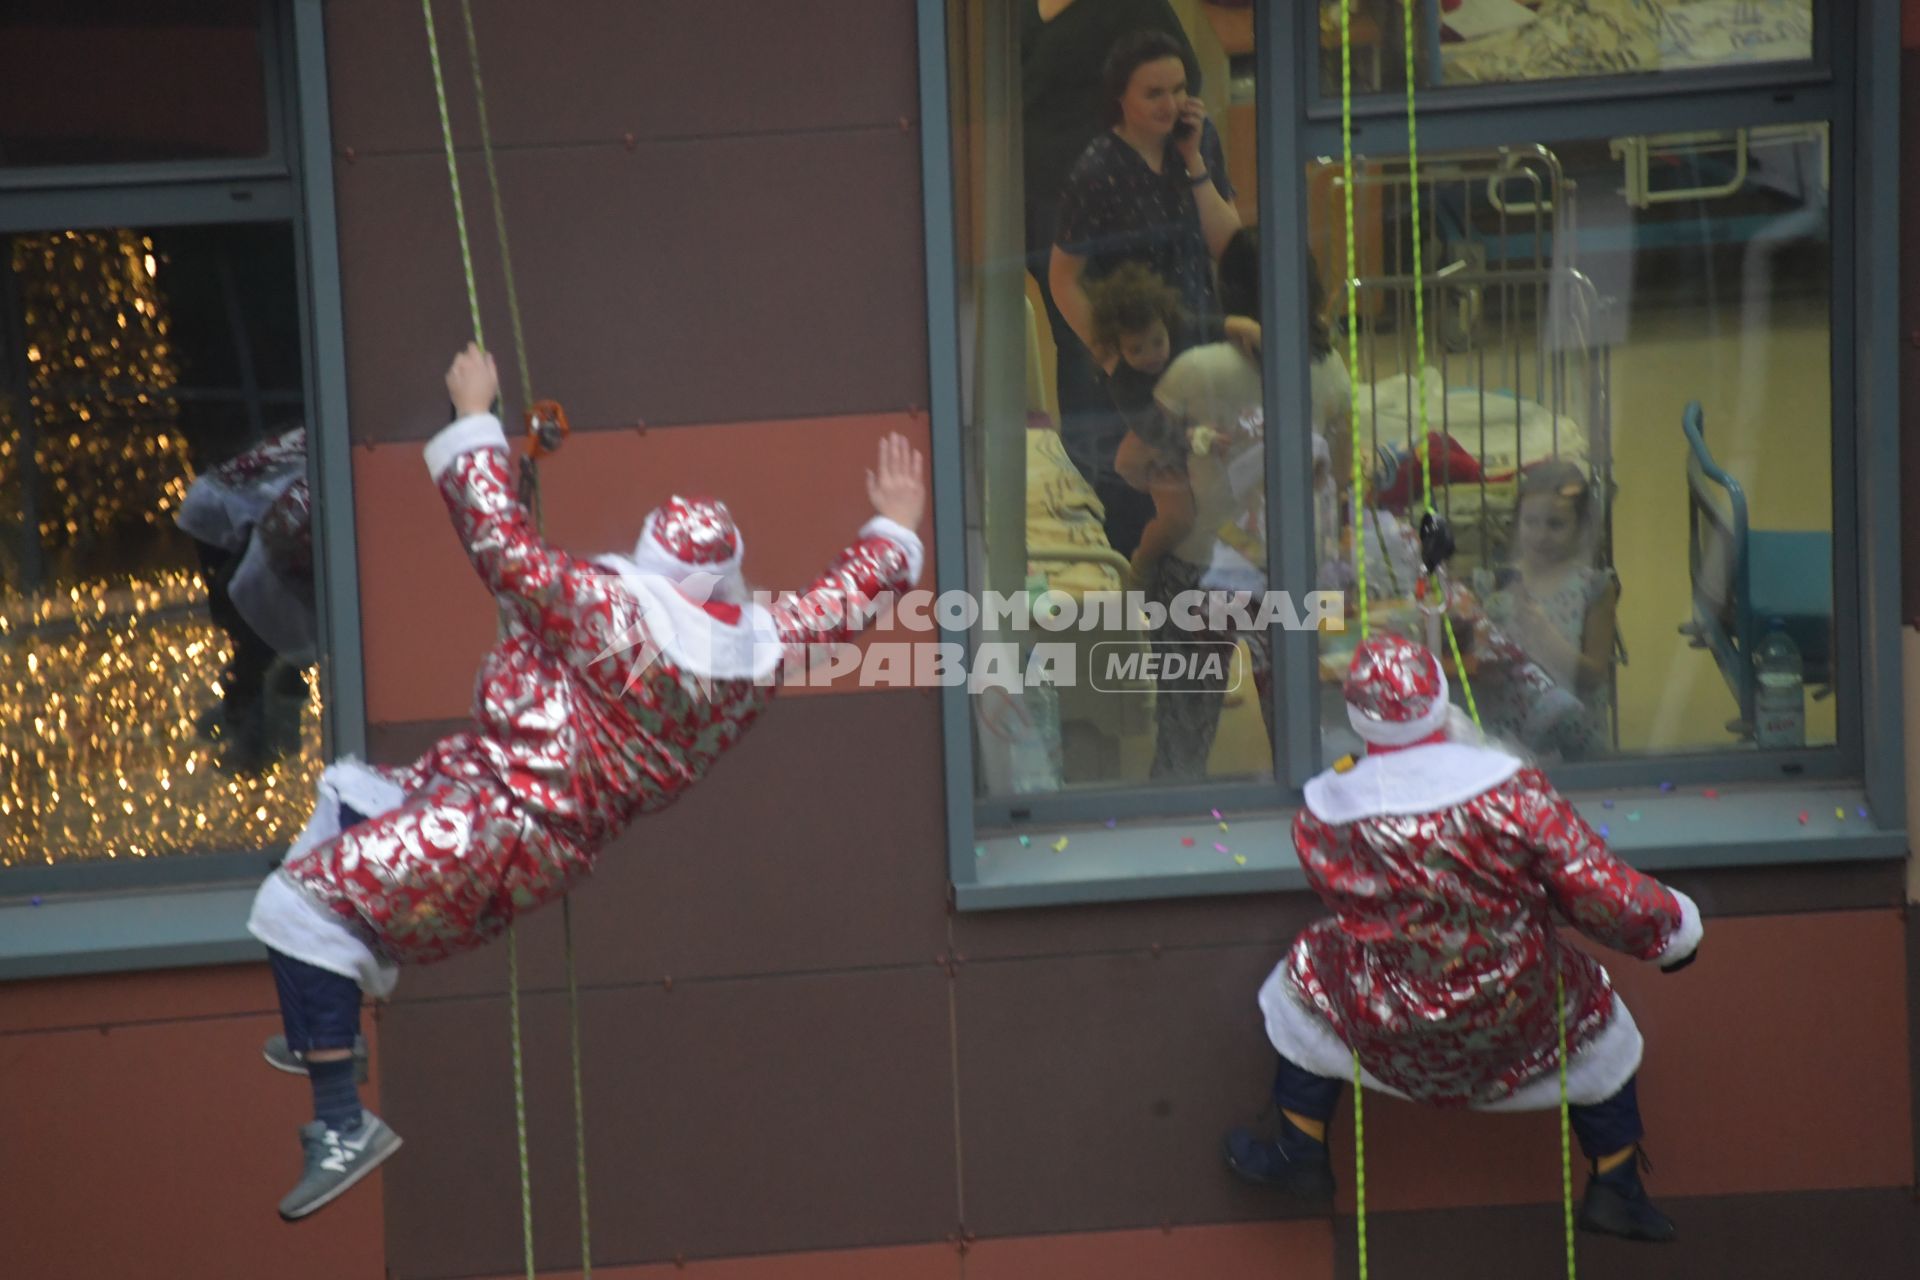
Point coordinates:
[(1602, 1127), (319, 1009)]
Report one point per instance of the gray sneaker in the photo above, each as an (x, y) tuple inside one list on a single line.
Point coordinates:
[(335, 1161), (281, 1058)]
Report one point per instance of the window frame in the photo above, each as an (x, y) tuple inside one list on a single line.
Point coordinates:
[(280, 159), (294, 186), (1857, 95)]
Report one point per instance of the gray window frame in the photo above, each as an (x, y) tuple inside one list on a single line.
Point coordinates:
[(1864, 770), (275, 163), (294, 185)]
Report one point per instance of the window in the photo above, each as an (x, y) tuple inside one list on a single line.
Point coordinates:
[(1486, 42), (1580, 295), (99, 83), (1651, 373), (1097, 309), (162, 697)]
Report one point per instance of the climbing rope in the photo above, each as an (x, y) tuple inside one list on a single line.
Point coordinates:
[(1433, 582), (545, 424)]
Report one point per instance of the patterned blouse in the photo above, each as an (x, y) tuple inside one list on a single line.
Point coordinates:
[(1115, 209)]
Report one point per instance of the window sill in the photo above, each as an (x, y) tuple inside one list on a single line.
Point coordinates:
[(101, 933), (206, 925), (1655, 831)]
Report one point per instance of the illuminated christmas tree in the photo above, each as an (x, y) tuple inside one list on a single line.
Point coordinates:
[(107, 660), (109, 462)]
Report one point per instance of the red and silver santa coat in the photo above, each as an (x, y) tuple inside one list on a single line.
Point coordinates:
[(1449, 867), (610, 692)]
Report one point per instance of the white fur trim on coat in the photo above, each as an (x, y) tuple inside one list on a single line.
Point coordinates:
[(1594, 1074), (290, 922), (354, 783), (293, 924), (904, 538), (1686, 939), (465, 435), (694, 641), (1416, 780)]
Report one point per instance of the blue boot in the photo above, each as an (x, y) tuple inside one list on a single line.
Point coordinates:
[(1295, 1164), (1617, 1204)]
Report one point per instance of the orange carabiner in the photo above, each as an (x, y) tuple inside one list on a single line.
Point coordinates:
[(547, 426)]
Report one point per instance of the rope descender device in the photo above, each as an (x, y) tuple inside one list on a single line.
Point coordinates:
[(547, 427)]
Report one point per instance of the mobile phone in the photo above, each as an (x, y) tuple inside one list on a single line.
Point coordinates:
[(1184, 130)]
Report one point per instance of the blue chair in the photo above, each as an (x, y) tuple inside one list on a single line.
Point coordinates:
[(1743, 578)]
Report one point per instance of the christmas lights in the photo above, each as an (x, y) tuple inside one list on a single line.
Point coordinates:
[(100, 757), (106, 673)]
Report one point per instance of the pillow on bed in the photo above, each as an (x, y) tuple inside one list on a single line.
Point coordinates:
[(1398, 477)]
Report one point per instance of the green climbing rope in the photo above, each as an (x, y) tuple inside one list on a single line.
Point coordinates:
[(526, 390), (1408, 45), (1359, 537)]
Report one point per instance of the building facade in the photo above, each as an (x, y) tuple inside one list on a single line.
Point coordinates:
[(885, 996)]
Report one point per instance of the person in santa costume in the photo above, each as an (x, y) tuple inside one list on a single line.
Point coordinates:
[(616, 684), (250, 518), (1450, 866)]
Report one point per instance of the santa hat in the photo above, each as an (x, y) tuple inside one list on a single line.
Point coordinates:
[(683, 537), (1396, 693)]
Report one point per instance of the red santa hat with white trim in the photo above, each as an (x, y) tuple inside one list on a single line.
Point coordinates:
[(687, 536), (1396, 693)]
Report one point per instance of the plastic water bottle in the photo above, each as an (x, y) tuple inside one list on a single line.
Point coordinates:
[(1037, 763), (1779, 702)]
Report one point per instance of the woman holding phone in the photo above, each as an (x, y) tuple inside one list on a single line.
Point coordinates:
[(1153, 189)]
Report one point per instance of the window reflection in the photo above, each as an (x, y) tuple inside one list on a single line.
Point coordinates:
[(156, 568)]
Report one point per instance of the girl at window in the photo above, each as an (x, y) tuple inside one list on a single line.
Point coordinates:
[(617, 683), (1557, 605)]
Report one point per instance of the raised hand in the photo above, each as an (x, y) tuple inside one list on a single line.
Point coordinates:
[(897, 485), (472, 382)]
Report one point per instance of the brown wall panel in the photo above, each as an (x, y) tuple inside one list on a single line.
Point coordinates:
[(797, 489), (729, 279), (594, 70), (1913, 1035), (1249, 1251), (173, 995), (770, 1115), (1275, 919), (1271, 919), (1778, 1007), (1861, 1235), (787, 858), (159, 1148), (1093, 1089), (909, 1262), (1758, 1019)]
